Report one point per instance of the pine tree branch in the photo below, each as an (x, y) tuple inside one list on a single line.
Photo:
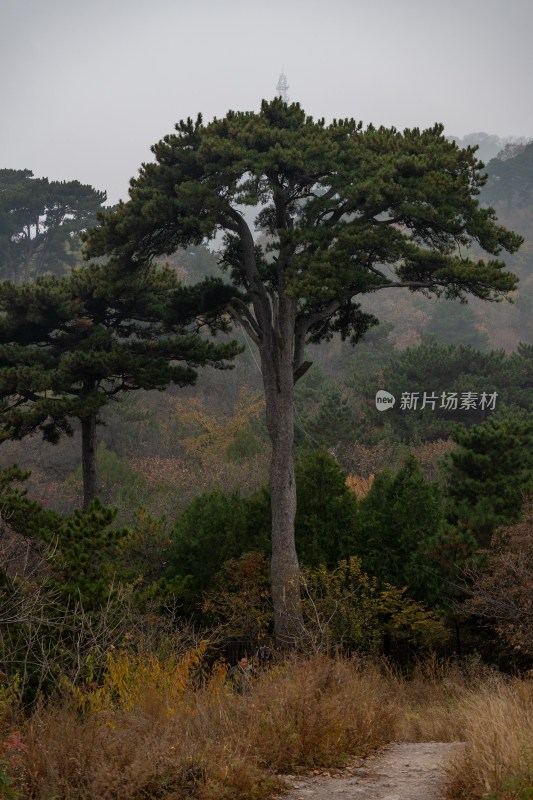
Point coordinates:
[(243, 315)]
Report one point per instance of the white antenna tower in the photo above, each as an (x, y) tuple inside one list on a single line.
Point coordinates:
[(282, 87)]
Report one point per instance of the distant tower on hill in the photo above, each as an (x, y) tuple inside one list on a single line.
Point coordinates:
[(282, 87)]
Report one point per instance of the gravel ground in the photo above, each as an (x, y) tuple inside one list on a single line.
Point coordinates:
[(402, 771)]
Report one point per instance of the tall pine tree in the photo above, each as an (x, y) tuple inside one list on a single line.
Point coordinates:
[(68, 346), (347, 211)]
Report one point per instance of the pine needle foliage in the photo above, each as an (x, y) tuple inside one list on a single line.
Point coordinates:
[(69, 346)]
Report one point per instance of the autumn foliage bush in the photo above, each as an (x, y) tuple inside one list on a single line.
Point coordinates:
[(157, 729), (503, 591)]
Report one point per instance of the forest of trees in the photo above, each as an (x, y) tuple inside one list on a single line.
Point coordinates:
[(189, 437), (75, 339)]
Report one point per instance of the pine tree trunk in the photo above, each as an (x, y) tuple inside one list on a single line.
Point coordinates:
[(285, 575), (88, 459)]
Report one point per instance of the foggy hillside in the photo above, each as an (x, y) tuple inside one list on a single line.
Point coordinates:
[(489, 144)]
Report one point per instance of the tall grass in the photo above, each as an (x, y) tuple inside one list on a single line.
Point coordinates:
[(158, 728), (497, 760), (133, 738)]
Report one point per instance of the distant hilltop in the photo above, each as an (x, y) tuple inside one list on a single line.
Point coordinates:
[(490, 145)]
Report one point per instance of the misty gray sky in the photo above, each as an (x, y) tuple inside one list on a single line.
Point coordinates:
[(87, 87)]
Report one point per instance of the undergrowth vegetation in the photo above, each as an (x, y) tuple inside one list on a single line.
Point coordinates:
[(496, 762), (167, 727)]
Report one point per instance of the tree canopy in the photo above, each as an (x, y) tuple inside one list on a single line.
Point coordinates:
[(40, 221), (398, 523), (490, 474), (511, 180), (346, 210), (450, 375)]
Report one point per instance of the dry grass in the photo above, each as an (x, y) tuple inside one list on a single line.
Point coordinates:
[(317, 712), (139, 741), (497, 761), (211, 743), (432, 698)]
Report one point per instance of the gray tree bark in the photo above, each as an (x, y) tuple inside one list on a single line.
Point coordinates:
[(277, 352), (273, 330)]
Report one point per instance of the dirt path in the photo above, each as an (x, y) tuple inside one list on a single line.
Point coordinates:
[(403, 771)]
